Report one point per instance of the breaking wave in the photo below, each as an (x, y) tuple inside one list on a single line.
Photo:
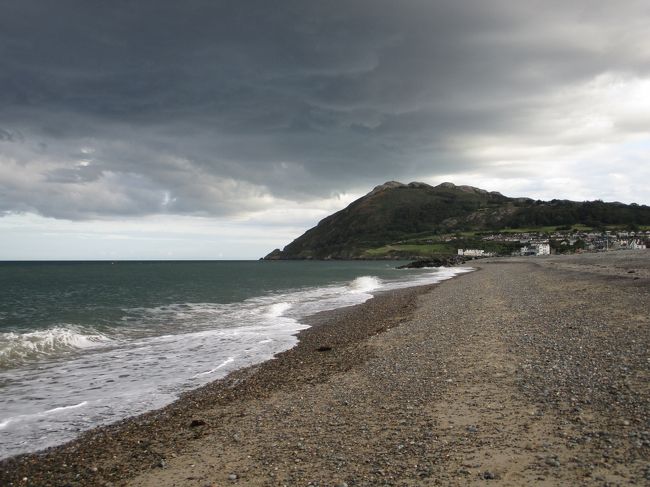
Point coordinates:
[(365, 284), (278, 309), (18, 348)]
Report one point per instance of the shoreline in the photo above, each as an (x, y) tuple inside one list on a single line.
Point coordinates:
[(528, 371), (283, 331), (327, 330)]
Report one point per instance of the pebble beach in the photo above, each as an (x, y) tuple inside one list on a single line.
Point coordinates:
[(528, 371)]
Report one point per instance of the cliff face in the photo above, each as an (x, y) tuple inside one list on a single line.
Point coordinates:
[(393, 211)]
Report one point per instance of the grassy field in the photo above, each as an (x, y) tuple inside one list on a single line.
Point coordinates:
[(563, 228), (423, 250), (478, 233), (548, 229)]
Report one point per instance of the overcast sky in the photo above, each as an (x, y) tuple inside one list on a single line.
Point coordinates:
[(224, 129)]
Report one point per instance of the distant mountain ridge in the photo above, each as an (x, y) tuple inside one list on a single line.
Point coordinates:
[(394, 211)]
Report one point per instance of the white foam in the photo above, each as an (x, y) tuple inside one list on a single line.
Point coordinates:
[(65, 408), (278, 309), (229, 360), (23, 417), (16, 347), (365, 284)]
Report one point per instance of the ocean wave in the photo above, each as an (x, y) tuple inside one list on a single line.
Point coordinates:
[(17, 348), (278, 309), (65, 408), (365, 284), (229, 360), (22, 417)]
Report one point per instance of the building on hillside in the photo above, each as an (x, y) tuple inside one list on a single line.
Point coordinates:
[(526, 250), (475, 253), (471, 252), (536, 249)]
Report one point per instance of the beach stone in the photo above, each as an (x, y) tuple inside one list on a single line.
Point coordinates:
[(197, 422), (646, 473), (232, 477), (487, 475), (552, 462)]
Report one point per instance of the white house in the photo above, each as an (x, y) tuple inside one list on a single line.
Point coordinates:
[(536, 249), (472, 252)]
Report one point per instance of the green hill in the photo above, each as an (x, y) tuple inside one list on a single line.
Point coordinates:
[(396, 213)]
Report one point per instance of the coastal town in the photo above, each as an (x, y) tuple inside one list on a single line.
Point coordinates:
[(555, 242)]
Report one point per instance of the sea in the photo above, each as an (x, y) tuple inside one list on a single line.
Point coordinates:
[(89, 343)]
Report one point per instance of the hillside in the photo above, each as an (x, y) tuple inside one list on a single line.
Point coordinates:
[(396, 212)]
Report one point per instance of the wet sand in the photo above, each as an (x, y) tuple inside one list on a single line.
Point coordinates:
[(528, 371)]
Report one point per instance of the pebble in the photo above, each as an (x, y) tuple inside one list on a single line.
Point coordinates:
[(552, 462)]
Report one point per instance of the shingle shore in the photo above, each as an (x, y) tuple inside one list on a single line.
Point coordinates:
[(526, 371)]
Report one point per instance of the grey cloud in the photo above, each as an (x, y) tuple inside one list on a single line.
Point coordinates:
[(203, 106), (10, 136), (80, 174)]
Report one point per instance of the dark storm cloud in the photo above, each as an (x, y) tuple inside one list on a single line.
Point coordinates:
[(206, 106)]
